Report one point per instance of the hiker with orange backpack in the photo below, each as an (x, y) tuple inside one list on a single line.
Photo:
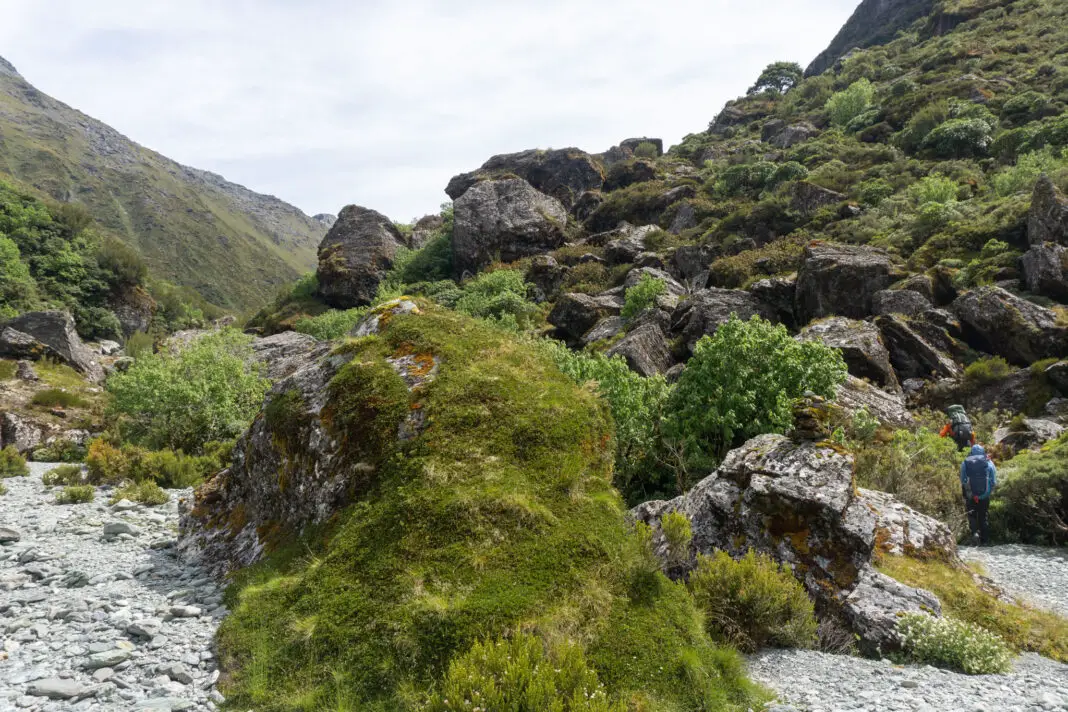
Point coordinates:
[(959, 427)]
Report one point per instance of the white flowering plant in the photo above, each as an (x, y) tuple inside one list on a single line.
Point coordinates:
[(950, 643)]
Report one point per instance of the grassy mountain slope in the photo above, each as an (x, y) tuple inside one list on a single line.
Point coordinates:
[(232, 245)]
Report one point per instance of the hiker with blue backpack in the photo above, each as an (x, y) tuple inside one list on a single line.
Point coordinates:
[(978, 477)]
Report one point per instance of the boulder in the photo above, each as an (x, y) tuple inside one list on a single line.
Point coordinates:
[(1045, 270), (704, 311), (670, 285), (109, 348), (134, 309), (284, 353), (1047, 221), (424, 229), (643, 210), (807, 198), (24, 371), (690, 263), (604, 329), (911, 354), (55, 330), (790, 136), (861, 345), (645, 350), (922, 284), (998, 322), (547, 276), (16, 345), (899, 301), (796, 502), (1057, 374), (563, 174), (630, 243), (629, 144), (626, 173), (778, 295), (574, 314), (587, 204), (685, 219), (23, 434), (504, 220), (855, 395), (841, 280), (355, 255), (1026, 434)]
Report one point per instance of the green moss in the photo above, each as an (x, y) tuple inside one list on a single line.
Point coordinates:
[(7, 369), (499, 515)]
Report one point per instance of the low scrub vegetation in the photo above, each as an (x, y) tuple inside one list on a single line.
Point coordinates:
[(12, 464), (1030, 504), (57, 397), (76, 494), (109, 464), (146, 492), (64, 475), (8, 369), (947, 642)]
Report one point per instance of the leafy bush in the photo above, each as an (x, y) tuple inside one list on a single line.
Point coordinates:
[(745, 178), (959, 138), (642, 296), (138, 344), (499, 297), (331, 324), (1025, 106), (678, 534), (76, 494), (12, 464), (752, 602), (8, 369), (57, 397), (1031, 502), (108, 464), (67, 475), (60, 451), (934, 189), (782, 255), (209, 390), (846, 105), (1021, 178), (742, 382), (950, 643), (146, 492), (646, 149), (778, 77), (520, 675), (988, 369)]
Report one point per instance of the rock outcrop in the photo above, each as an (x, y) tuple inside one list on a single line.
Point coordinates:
[(55, 336), (704, 311), (134, 309), (806, 198), (841, 280), (355, 255), (564, 173), (283, 354), (574, 314), (504, 220), (861, 344), (855, 395), (796, 501), (873, 22), (911, 354), (645, 349), (1045, 270), (1025, 434), (1047, 221), (899, 301), (998, 322)]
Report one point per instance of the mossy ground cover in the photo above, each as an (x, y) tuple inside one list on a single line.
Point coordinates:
[(499, 517), (1022, 628)]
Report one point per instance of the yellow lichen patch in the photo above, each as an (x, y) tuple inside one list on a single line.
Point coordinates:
[(799, 540), (424, 364)]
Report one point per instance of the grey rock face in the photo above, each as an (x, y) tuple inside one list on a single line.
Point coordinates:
[(1047, 220), (630, 243), (574, 314), (8, 535), (899, 301), (504, 219), (671, 287), (841, 280), (1045, 270), (778, 295), (55, 330), (789, 136), (25, 371), (873, 22), (20, 432), (563, 174), (861, 345), (1031, 434), (704, 311), (134, 309), (355, 254), (604, 329), (874, 605), (645, 350), (547, 277), (284, 353), (998, 322), (806, 198), (910, 353)]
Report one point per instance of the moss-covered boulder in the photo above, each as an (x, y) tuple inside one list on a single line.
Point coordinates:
[(422, 488)]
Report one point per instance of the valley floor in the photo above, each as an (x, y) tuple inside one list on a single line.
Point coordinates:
[(92, 620), (116, 622)]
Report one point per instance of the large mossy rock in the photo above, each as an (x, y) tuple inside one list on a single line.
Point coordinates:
[(504, 220), (797, 501), (1047, 220), (1045, 270), (48, 333), (704, 311), (563, 173), (999, 322), (354, 256), (431, 483), (841, 280)]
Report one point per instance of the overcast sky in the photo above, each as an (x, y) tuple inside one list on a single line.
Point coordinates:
[(330, 102)]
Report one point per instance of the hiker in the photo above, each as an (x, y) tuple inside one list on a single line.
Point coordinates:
[(959, 427), (978, 476)]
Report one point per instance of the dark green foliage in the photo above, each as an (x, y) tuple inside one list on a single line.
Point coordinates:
[(774, 258), (988, 369), (1030, 504), (57, 397), (753, 602), (777, 77), (60, 451), (959, 138), (747, 178), (1026, 106), (12, 464), (138, 344), (645, 149), (500, 297), (108, 464)]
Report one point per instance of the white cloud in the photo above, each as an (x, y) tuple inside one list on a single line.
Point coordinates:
[(328, 102)]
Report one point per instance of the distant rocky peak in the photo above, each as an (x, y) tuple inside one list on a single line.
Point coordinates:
[(873, 22), (325, 219), (9, 69)]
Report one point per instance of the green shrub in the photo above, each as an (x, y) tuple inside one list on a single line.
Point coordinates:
[(850, 103), (147, 492), (743, 382), (66, 475), (209, 390), (642, 296), (988, 369), (8, 369), (108, 464), (57, 397), (76, 494), (646, 149), (500, 297), (748, 178), (959, 138), (60, 451), (1021, 178), (786, 172), (1030, 504), (753, 602), (520, 675), (934, 189), (782, 255), (1025, 106), (12, 464), (331, 324), (138, 344), (678, 533), (947, 642)]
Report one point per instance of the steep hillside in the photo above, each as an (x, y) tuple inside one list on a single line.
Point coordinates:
[(873, 22), (233, 246)]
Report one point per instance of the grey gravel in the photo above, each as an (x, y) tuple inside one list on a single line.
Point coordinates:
[(1038, 575), (88, 594)]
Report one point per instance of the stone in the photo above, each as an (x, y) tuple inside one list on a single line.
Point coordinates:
[(109, 348), (114, 529), (854, 395), (899, 301), (185, 611), (841, 280), (9, 535), (628, 245), (685, 219), (704, 311), (564, 174), (902, 531), (123, 363), (790, 136), (910, 353), (107, 658), (1047, 220), (177, 672), (1045, 270), (922, 284), (671, 287), (690, 262), (1026, 434), (645, 350), (861, 344), (24, 371), (355, 255), (807, 198), (163, 704), (574, 314), (103, 674), (547, 277), (604, 329), (1057, 374), (623, 174), (19, 432), (795, 501), (134, 308), (504, 220), (998, 322), (55, 329), (284, 353), (777, 295), (424, 229), (55, 688)]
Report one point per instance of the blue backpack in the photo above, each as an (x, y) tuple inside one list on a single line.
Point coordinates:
[(976, 469)]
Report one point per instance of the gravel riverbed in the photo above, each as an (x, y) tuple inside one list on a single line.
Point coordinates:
[(96, 613)]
